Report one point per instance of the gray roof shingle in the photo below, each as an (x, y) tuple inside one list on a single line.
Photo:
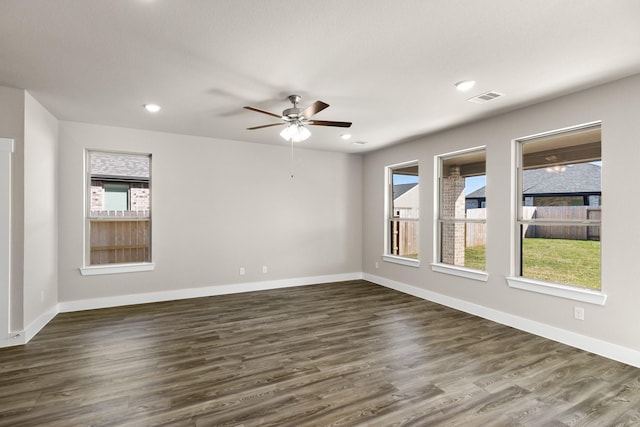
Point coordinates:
[(119, 165), (400, 189), (578, 178)]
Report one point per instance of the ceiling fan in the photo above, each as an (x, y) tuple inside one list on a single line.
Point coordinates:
[(296, 119)]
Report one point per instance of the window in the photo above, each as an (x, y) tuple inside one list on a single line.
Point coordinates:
[(118, 212), (560, 207), (403, 214), (116, 197), (462, 210)]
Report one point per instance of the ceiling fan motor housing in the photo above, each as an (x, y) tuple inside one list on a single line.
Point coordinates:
[(291, 113)]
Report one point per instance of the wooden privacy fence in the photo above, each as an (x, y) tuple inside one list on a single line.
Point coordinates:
[(569, 232), (404, 231), (476, 232), (404, 238), (120, 238)]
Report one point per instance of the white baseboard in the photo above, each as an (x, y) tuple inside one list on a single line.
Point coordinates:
[(583, 342), (14, 338), (23, 337), (205, 291), (39, 323)]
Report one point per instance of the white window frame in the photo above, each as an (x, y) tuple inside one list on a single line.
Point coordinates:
[(516, 281), (88, 269), (437, 265), (389, 217)]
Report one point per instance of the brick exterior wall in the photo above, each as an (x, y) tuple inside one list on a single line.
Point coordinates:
[(453, 206), (97, 197), (139, 199)]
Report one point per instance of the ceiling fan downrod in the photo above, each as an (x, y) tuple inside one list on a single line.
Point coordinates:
[(292, 113)]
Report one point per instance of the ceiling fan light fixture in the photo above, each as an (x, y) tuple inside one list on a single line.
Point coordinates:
[(295, 132), (465, 85)]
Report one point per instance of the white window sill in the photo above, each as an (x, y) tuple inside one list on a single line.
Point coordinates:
[(410, 262), (455, 270), (95, 270), (555, 289)]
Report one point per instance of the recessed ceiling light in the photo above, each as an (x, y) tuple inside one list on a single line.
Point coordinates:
[(152, 108), (345, 136), (465, 85)]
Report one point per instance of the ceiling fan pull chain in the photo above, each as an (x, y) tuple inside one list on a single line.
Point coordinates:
[(292, 159)]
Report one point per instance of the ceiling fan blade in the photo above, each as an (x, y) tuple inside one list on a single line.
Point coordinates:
[(257, 110), (314, 108), (329, 123), (265, 126)]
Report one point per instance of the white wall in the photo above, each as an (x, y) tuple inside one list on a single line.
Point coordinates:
[(617, 105), (242, 209), (40, 211)]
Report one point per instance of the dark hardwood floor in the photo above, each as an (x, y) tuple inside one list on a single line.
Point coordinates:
[(342, 354)]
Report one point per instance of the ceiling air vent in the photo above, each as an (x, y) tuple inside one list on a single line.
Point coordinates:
[(485, 97)]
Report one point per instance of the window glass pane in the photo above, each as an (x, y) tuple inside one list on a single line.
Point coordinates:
[(561, 206), (463, 244), (462, 184), (119, 212), (562, 254), (463, 209), (119, 182), (405, 193), (119, 241), (404, 238), (404, 211)]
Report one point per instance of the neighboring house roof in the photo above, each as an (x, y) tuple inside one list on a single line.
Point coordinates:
[(119, 165), (400, 189), (578, 178), (478, 194)]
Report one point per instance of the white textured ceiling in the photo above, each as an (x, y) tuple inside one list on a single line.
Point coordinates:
[(386, 65)]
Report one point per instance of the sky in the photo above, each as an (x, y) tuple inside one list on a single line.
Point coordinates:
[(474, 182)]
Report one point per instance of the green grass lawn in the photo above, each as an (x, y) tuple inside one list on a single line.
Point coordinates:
[(572, 262), (474, 257)]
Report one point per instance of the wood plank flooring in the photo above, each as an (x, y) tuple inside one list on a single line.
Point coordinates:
[(340, 354)]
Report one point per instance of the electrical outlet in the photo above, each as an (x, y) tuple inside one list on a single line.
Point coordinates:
[(41, 296), (264, 268), (377, 265), (242, 271), (578, 313)]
